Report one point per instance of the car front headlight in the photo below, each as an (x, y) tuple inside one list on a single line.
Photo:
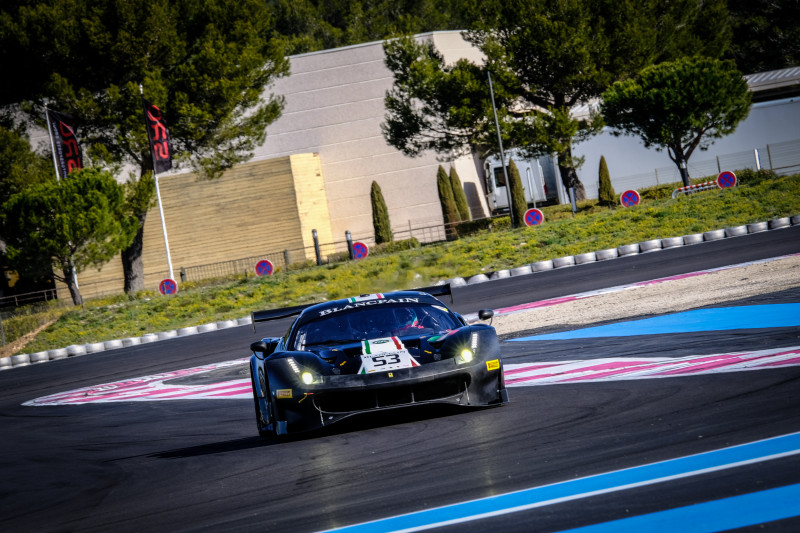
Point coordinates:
[(465, 356), (307, 377)]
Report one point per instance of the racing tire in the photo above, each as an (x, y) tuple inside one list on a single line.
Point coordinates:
[(263, 433)]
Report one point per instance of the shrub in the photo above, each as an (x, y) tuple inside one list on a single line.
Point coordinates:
[(749, 176), (395, 246), (606, 193), (459, 196), (449, 208), (380, 215), (518, 203)]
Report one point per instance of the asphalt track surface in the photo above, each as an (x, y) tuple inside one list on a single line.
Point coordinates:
[(696, 452)]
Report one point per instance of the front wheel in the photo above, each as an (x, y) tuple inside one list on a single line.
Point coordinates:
[(262, 421)]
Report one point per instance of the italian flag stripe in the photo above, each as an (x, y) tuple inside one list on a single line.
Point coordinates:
[(397, 343), (366, 347)]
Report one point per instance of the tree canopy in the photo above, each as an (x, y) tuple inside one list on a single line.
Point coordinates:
[(546, 57), (66, 226), (679, 106), (206, 64)]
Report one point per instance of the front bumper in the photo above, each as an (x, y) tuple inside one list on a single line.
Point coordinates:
[(305, 407)]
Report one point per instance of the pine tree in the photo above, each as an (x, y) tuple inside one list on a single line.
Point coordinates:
[(606, 193), (518, 203), (449, 209), (380, 215), (459, 196)]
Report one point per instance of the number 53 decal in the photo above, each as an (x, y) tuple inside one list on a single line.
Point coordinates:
[(384, 362)]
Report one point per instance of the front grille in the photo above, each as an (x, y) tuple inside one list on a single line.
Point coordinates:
[(350, 401)]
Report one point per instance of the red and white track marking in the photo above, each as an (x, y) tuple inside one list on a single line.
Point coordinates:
[(155, 388), (614, 369)]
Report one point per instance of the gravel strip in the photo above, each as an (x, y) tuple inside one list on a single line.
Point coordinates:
[(667, 297)]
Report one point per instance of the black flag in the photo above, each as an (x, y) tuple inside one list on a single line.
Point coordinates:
[(157, 132), (65, 145)]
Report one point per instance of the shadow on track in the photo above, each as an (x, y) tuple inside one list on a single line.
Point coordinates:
[(363, 422)]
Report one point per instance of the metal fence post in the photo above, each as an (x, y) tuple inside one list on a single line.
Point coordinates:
[(758, 159), (769, 157), (286, 258), (349, 238), (316, 246)]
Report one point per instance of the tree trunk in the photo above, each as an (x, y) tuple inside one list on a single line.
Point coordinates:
[(132, 267), (675, 152), (569, 176), (68, 270)]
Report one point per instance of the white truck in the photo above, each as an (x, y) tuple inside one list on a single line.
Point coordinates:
[(539, 178)]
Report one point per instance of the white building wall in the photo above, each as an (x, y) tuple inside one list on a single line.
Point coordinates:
[(631, 165), (334, 107)]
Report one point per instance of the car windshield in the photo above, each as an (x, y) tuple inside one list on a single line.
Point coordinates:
[(372, 323)]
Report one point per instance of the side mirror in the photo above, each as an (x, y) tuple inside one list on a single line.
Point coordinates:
[(485, 314), (264, 347)]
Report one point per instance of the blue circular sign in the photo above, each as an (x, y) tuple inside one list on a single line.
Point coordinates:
[(534, 217), (630, 198), (168, 286), (360, 250), (264, 268), (726, 179)]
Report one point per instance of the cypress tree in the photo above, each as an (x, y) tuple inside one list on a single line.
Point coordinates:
[(458, 195), (606, 193), (380, 215), (518, 202), (449, 209)]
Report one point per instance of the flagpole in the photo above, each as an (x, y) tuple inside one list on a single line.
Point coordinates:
[(58, 179), (158, 196), (52, 144)]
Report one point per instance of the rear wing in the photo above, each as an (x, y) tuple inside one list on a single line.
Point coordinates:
[(438, 290), (275, 314), (285, 312)]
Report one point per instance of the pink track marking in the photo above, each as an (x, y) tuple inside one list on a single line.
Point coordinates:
[(529, 368), (625, 369)]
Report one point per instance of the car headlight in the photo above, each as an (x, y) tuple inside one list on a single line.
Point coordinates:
[(465, 356), (307, 377)]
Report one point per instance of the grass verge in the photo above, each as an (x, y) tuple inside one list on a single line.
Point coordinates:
[(760, 196)]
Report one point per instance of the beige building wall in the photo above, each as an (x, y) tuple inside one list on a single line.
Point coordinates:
[(255, 209), (335, 107)]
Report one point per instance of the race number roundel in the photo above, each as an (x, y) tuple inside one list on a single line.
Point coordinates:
[(360, 250), (168, 286), (629, 198), (264, 268), (534, 217), (726, 179)]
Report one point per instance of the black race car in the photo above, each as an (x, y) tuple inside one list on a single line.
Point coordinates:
[(369, 353)]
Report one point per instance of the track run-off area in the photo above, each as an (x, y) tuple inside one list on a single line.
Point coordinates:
[(683, 420)]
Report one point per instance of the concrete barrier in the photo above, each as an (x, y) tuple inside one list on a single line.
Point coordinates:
[(522, 271), (736, 231), (608, 253), (628, 249), (561, 262), (649, 246), (589, 257), (672, 242), (714, 235), (757, 227)]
